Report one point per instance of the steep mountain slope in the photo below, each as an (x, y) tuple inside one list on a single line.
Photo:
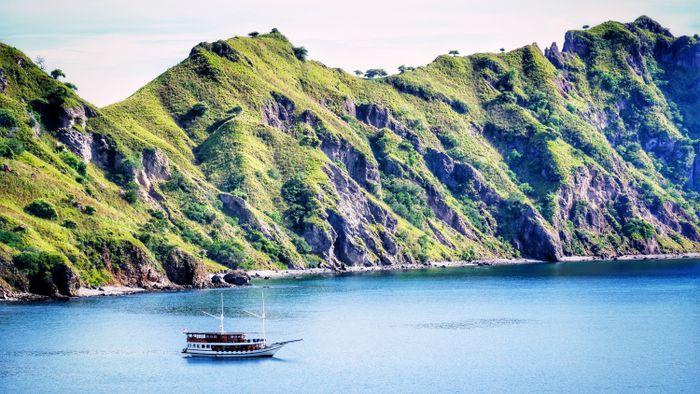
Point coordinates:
[(244, 155)]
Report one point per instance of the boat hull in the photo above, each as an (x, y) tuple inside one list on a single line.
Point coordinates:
[(268, 351)]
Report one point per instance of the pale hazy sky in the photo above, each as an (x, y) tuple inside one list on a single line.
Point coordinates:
[(110, 48)]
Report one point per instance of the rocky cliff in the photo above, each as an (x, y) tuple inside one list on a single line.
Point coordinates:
[(244, 155)]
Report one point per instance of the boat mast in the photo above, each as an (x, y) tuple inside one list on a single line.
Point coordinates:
[(263, 316), (220, 317), (221, 324)]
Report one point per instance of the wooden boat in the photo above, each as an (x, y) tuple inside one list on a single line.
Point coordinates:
[(223, 344)]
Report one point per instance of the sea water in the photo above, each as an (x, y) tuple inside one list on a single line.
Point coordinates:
[(629, 326)]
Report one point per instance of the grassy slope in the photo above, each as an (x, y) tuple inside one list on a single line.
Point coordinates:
[(506, 114)]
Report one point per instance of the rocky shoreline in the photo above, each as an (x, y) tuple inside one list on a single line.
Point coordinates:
[(297, 273), (243, 278)]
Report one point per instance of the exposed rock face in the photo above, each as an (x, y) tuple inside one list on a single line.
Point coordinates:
[(681, 53), (78, 142), (446, 213), (279, 112), (460, 177), (66, 280), (356, 243), (358, 165), (553, 55), (321, 238), (154, 167), (71, 122), (575, 42), (131, 266), (3, 81), (237, 278), (185, 270), (381, 117), (72, 117), (534, 237), (237, 207)]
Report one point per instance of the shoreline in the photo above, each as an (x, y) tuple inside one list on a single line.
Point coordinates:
[(298, 273), (112, 290)]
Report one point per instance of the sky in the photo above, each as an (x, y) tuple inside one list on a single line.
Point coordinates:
[(110, 48)]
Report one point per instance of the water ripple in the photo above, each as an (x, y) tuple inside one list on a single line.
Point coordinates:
[(471, 324)]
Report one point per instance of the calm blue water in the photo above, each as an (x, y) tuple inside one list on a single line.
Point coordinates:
[(582, 327)]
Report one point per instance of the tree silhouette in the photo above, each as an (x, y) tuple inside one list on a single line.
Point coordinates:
[(375, 72), (300, 53), (454, 52), (57, 73), (253, 34), (359, 73)]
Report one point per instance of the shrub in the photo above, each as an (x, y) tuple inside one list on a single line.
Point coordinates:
[(375, 72), (177, 182), (230, 253), (514, 157), (199, 109), (69, 224), (11, 147), (10, 238), (253, 34), (131, 196), (301, 201), (57, 73), (8, 119), (506, 82), (526, 188), (638, 229), (74, 162), (32, 263), (89, 210), (507, 98), (42, 209), (198, 212), (300, 53), (407, 199)]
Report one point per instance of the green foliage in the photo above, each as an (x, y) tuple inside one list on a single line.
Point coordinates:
[(131, 193), (11, 238), (11, 147), (408, 200), (375, 73), (8, 119), (198, 212), (74, 162), (42, 209), (300, 53), (89, 210), (638, 229), (57, 73), (302, 204), (199, 109), (69, 224), (36, 262), (230, 253)]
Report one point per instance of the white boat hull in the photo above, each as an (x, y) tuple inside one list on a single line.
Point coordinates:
[(268, 351)]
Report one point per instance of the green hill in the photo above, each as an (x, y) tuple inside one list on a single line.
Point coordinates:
[(247, 155)]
